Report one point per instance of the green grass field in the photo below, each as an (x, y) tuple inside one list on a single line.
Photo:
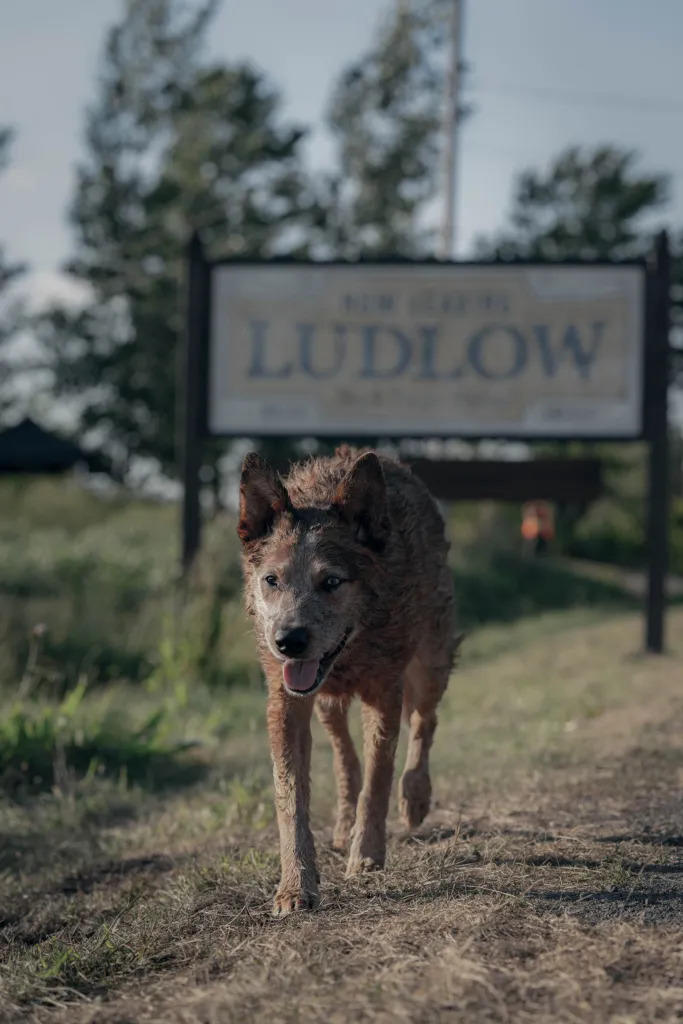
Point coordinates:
[(138, 852)]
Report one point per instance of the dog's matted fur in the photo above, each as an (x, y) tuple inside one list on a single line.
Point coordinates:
[(346, 578)]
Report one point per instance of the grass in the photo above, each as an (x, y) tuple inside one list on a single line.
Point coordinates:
[(138, 849), (545, 886), (46, 746), (100, 574)]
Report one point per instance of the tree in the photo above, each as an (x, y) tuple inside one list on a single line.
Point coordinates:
[(385, 116), (10, 311), (591, 204), (588, 205), (173, 145)]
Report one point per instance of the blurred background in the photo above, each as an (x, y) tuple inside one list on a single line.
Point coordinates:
[(301, 128)]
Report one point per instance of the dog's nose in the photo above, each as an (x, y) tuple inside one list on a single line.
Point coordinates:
[(292, 642)]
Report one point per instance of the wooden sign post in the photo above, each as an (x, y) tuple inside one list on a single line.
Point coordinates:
[(194, 388), (656, 427)]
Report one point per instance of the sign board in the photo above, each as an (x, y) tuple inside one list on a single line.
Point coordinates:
[(554, 350), (517, 351)]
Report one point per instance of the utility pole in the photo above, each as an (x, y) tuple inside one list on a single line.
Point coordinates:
[(450, 131)]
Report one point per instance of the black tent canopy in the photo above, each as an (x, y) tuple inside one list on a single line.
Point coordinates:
[(28, 448)]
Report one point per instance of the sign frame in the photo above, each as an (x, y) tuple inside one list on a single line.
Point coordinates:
[(289, 263), (194, 374)]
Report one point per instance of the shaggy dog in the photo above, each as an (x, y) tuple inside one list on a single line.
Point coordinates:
[(346, 579)]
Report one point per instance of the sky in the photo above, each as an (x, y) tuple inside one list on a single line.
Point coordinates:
[(543, 74)]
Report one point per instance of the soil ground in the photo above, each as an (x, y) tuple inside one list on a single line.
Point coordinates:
[(545, 886)]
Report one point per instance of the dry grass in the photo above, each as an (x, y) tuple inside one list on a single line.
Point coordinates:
[(545, 886)]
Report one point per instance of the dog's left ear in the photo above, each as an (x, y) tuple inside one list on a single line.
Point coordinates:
[(263, 497), (361, 501)]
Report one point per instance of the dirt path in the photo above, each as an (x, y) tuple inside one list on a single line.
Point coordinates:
[(546, 887), (633, 581)]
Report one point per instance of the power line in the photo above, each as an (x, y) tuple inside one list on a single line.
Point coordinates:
[(519, 153), (646, 104)]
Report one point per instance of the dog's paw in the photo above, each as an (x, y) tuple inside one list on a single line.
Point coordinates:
[(415, 794), (342, 837), (287, 901), (363, 865), (343, 827)]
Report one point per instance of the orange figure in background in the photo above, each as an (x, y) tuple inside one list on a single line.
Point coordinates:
[(538, 526)]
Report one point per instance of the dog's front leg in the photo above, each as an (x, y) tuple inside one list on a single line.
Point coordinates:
[(289, 728), (381, 725)]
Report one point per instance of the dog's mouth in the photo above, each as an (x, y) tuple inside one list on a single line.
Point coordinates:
[(302, 678)]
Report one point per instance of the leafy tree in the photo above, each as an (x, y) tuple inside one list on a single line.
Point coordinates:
[(588, 205), (10, 311), (385, 116), (385, 119), (592, 204), (173, 145)]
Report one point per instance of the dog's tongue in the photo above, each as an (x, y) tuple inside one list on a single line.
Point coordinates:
[(300, 675)]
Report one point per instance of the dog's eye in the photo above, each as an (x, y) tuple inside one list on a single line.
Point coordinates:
[(270, 580), (331, 582)]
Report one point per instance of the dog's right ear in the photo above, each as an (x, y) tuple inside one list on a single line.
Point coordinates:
[(263, 497)]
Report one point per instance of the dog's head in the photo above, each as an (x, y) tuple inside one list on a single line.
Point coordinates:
[(312, 574)]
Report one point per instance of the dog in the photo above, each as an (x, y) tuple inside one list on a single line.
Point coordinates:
[(346, 579)]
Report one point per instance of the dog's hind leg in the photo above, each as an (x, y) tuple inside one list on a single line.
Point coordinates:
[(334, 716), (424, 684), (425, 679)]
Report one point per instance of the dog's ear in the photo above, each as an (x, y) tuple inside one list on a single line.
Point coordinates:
[(361, 501), (263, 497)]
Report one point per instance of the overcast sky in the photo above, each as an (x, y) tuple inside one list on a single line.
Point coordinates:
[(544, 73)]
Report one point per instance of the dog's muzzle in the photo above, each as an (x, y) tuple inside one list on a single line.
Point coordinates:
[(302, 678)]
